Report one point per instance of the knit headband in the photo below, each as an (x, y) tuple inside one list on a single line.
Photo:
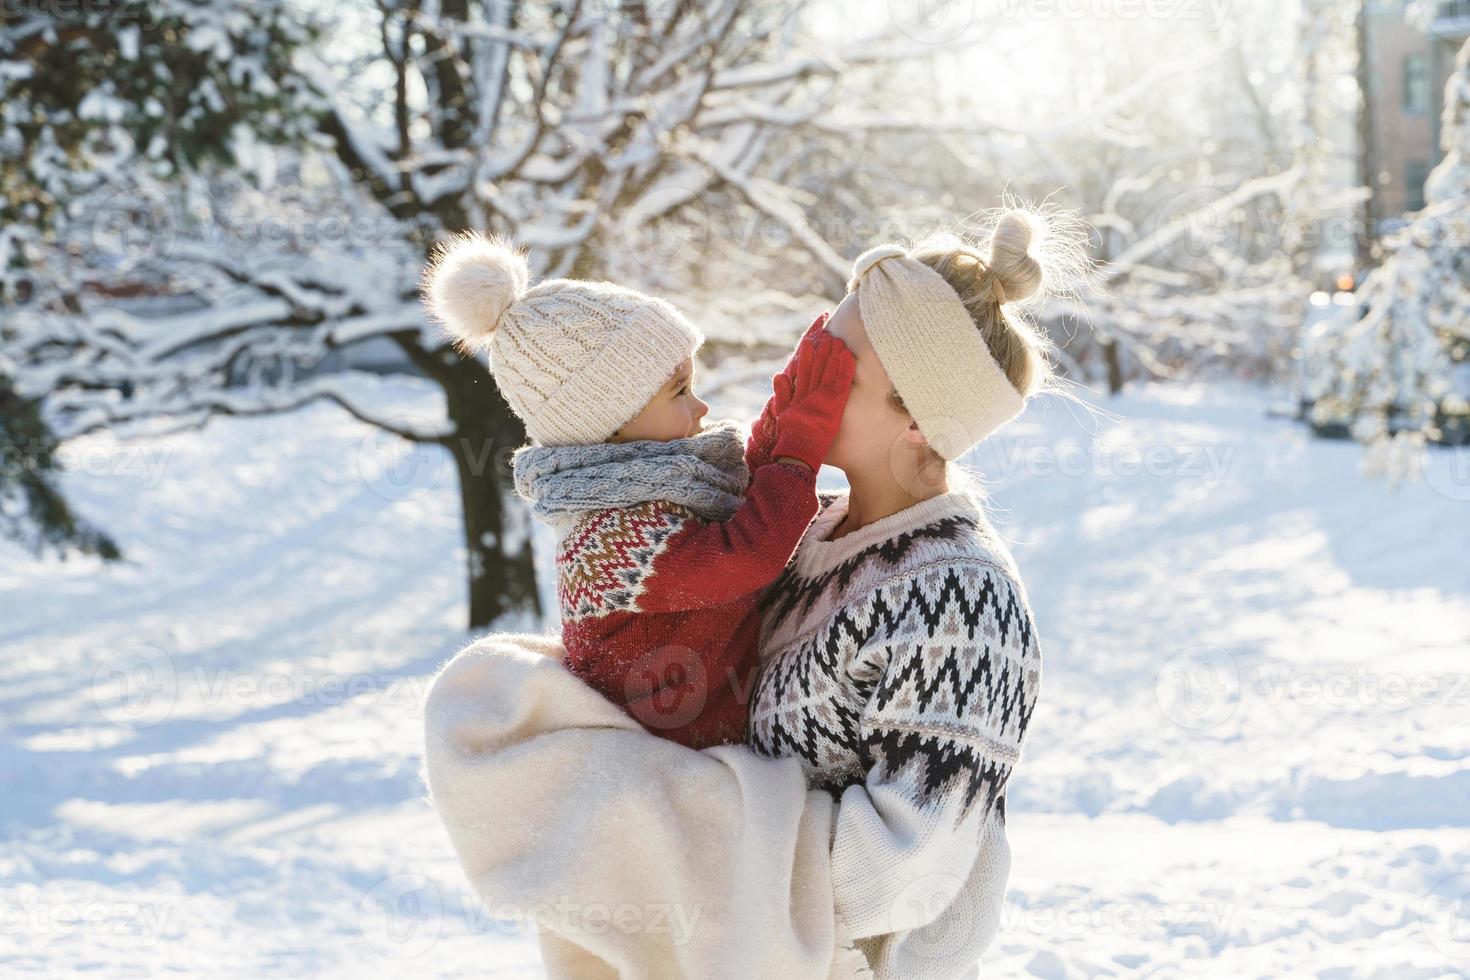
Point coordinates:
[(928, 343)]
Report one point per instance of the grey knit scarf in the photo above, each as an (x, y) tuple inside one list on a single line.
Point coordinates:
[(705, 473)]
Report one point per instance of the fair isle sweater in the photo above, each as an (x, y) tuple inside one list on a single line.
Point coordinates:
[(900, 665), (660, 608)]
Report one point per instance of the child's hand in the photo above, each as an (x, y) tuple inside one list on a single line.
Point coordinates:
[(824, 370), (763, 432), (819, 325)]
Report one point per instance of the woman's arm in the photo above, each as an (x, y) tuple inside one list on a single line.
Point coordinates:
[(940, 733)]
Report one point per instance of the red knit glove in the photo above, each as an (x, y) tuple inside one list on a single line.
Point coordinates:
[(763, 432), (806, 428), (819, 326)]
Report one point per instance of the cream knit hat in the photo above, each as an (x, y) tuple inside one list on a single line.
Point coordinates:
[(575, 360), (927, 341)]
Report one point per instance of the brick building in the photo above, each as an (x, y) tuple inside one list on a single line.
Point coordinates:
[(1409, 60)]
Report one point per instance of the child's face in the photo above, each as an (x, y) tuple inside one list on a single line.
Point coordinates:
[(673, 413)]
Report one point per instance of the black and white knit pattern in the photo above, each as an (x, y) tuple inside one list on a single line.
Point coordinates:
[(903, 658), (932, 672), (796, 593)]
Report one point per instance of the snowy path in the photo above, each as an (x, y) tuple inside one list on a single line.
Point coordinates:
[(1254, 736), (1250, 758)]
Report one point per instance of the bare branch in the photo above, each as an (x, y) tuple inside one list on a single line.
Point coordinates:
[(247, 403)]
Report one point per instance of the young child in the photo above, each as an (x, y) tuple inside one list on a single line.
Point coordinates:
[(667, 532)]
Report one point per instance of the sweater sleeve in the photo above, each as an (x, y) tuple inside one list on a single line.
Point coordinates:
[(712, 563), (762, 438), (953, 686)]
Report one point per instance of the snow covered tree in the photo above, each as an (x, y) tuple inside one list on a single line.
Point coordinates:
[(1397, 364), (32, 508), (1209, 195), (86, 89), (588, 130), (156, 85)]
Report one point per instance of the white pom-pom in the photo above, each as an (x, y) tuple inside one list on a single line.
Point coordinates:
[(470, 282)]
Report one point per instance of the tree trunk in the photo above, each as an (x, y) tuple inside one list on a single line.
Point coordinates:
[(1115, 366), (500, 570), (1367, 163), (499, 567)]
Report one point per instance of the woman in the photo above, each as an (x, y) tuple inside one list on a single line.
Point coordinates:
[(899, 671)]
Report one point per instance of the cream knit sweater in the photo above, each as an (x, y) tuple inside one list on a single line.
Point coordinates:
[(900, 672), (900, 666)]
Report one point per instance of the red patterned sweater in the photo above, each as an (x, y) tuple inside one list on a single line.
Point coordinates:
[(659, 607)]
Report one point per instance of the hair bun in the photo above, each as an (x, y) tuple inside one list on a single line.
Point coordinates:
[(1017, 274), (470, 282)]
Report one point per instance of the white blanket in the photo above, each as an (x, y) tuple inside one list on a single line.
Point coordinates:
[(634, 856)]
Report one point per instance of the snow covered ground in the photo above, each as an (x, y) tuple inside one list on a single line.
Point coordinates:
[(1252, 755)]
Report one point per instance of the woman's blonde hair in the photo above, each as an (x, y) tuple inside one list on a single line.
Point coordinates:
[(1031, 252)]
